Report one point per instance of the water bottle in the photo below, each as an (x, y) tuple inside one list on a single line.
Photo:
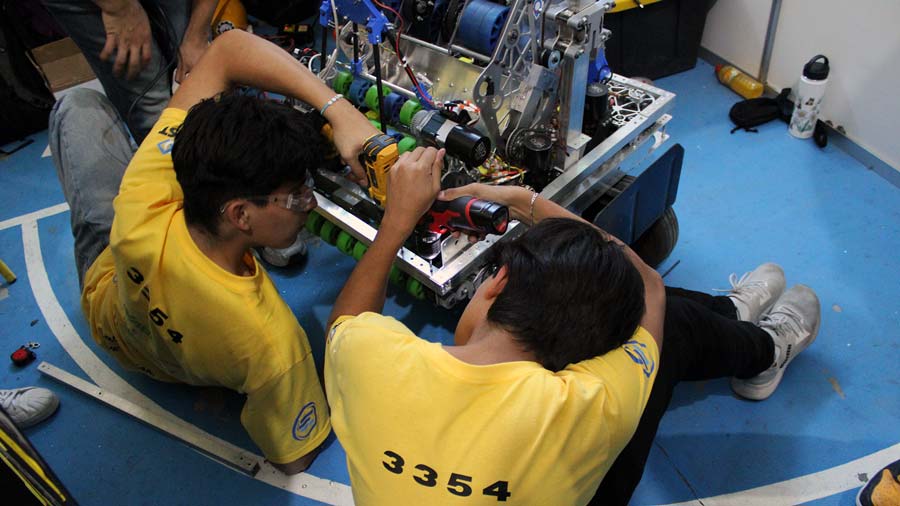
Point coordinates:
[(741, 83), (809, 94)]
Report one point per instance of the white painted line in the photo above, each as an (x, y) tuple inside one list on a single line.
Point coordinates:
[(46, 152), (242, 461), (807, 488), (41, 213), (302, 484)]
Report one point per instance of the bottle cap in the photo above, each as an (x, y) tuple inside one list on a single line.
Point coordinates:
[(816, 70)]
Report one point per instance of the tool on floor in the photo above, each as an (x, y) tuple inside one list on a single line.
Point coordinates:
[(213, 447), (24, 356), (7, 274)]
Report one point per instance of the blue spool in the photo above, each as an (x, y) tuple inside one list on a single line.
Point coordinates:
[(357, 92), (480, 25), (392, 104)]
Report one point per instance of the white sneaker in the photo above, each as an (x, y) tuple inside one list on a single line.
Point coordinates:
[(28, 406), (793, 324), (283, 257), (756, 292)]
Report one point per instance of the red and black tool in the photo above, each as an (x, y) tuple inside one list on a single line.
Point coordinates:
[(23, 356), (468, 214)]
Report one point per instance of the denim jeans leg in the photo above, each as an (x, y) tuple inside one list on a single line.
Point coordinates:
[(149, 91), (91, 150)]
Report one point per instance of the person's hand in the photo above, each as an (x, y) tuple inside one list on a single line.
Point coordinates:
[(350, 131), (128, 36), (189, 54), (413, 183)]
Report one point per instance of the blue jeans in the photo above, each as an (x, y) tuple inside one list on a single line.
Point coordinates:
[(149, 92), (91, 150)]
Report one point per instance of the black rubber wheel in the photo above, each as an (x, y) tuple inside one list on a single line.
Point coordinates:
[(659, 240)]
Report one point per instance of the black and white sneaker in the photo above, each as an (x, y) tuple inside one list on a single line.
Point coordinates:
[(793, 324), (755, 293)]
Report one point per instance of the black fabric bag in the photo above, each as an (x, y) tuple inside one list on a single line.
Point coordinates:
[(750, 113), (25, 101)]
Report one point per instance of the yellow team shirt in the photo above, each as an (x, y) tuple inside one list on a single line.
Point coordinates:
[(421, 427), (161, 306)]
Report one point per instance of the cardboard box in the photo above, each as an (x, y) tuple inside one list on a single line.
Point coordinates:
[(62, 64)]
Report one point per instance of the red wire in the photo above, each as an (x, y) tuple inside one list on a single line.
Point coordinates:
[(399, 18), (409, 72)]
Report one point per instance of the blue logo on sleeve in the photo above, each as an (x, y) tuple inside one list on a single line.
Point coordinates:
[(165, 147), (637, 351), (306, 421)]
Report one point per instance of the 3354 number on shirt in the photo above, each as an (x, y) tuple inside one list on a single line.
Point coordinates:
[(456, 484)]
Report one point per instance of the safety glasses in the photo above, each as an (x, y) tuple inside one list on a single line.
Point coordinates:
[(301, 201)]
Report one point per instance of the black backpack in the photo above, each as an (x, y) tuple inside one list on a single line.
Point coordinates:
[(753, 112), (25, 101)]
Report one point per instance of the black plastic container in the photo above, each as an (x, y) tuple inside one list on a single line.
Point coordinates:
[(661, 39)]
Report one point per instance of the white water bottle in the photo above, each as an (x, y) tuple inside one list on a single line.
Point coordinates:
[(810, 91)]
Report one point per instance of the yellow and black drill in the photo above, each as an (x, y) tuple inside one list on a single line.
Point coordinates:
[(464, 213)]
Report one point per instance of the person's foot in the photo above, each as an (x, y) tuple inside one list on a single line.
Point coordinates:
[(283, 257), (756, 291), (883, 489), (793, 324), (28, 406)]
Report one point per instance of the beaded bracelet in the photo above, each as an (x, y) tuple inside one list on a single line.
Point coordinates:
[(329, 103), (534, 196)]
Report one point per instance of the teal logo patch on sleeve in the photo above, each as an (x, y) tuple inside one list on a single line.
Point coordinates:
[(165, 147), (305, 422), (638, 353)]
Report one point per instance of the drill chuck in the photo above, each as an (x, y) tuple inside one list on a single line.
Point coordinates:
[(460, 141)]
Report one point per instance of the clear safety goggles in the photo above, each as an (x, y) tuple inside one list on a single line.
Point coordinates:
[(301, 201)]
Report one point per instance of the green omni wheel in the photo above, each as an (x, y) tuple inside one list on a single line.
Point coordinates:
[(409, 108), (397, 276), (342, 82), (329, 232), (314, 222), (372, 96), (359, 249), (407, 143), (345, 243), (415, 288)]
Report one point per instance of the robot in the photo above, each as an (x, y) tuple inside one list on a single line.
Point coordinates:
[(517, 92)]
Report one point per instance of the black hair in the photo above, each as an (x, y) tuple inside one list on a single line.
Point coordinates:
[(571, 295), (238, 146)]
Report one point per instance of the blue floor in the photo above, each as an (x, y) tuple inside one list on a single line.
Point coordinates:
[(744, 199)]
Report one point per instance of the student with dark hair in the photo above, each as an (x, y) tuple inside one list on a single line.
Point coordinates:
[(558, 376), (162, 247)]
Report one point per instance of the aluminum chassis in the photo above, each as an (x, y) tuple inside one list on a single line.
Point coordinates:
[(630, 149)]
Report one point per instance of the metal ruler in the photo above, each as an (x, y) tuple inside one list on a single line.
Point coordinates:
[(215, 448)]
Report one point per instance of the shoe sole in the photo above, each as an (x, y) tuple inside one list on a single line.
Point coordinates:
[(763, 392)]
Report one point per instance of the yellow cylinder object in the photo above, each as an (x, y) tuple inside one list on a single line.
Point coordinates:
[(229, 14), (739, 82), (7, 273), (624, 5)]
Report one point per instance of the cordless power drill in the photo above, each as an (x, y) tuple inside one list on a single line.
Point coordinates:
[(464, 213)]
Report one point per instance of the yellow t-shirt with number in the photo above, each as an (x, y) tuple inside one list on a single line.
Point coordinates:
[(159, 305), (422, 427)]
